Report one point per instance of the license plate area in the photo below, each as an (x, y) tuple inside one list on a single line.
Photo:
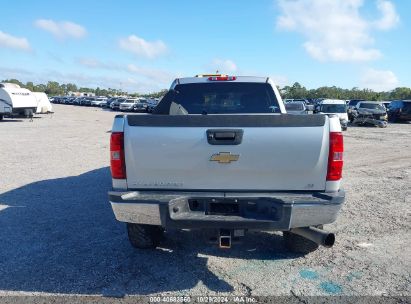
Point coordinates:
[(252, 208), (223, 208)]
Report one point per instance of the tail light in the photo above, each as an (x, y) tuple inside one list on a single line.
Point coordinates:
[(335, 157), (117, 159), (222, 78)]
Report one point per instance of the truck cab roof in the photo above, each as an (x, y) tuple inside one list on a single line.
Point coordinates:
[(205, 78)]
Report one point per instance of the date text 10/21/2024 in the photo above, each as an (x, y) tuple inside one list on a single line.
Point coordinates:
[(202, 299)]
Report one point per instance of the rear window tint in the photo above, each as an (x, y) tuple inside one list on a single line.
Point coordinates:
[(220, 98)]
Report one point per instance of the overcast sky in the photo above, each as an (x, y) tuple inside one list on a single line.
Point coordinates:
[(143, 45)]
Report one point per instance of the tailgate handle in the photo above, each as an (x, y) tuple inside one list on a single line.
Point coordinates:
[(225, 137)]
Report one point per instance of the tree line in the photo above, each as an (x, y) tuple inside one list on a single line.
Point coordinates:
[(299, 91), (53, 88)]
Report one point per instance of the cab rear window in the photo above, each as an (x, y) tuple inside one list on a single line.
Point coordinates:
[(220, 98), (294, 106)]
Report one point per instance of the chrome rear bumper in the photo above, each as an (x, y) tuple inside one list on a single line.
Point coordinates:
[(268, 211)]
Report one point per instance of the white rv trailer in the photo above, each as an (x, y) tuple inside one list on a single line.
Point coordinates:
[(16, 101), (43, 103)]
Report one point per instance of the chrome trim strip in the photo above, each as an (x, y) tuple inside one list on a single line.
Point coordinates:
[(137, 213)]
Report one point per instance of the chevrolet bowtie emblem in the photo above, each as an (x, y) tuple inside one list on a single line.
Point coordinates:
[(224, 157)]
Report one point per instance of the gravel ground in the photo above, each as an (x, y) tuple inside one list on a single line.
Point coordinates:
[(59, 238)]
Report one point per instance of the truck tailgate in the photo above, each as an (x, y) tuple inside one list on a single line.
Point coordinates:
[(277, 152)]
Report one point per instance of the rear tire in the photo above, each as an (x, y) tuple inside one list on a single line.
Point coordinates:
[(298, 244), (383, 124), (144, 236), (1, 116)]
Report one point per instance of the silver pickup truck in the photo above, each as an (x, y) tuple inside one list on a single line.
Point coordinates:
[(220, 153)]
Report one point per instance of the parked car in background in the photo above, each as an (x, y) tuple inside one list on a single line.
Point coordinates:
[(115, 105), (352, 103), (98, 101), (295, 107), (77, 101), (86, 101), (151, 105), (334, 106), (386, 104), (303, 100), (141, 105), (370, 113), (128, 104), (108, 102), (399, 110)]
